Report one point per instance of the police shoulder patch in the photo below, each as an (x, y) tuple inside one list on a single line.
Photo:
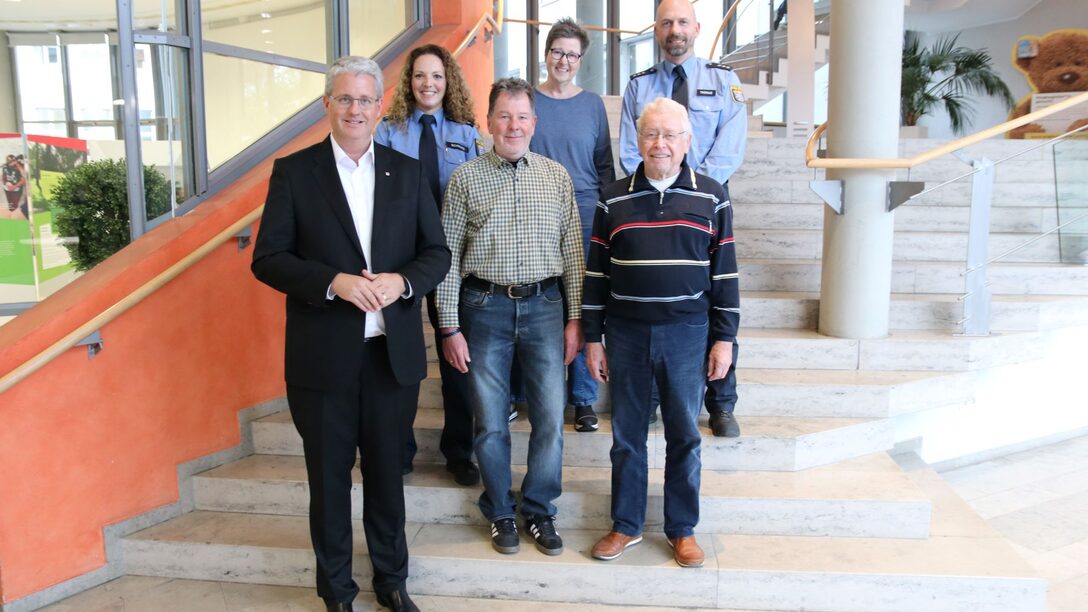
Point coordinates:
[(719, 66), (644, 72)]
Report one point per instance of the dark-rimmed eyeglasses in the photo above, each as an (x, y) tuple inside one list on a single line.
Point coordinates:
[(558, 54)]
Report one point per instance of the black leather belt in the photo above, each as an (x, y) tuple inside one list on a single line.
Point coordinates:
[(514, 292), (374, 339)]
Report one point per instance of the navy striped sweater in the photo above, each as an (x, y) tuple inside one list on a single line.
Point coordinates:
[(663, 257)]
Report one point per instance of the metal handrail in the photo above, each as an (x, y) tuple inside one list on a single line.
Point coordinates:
[(812, 161), (998, 162), (485, 18), (1020, 246)]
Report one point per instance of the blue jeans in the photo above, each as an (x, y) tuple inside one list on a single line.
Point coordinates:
[(581, 388), (496, 328), (673, 355)]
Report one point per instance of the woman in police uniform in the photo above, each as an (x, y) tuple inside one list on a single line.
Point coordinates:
[(430, 119)]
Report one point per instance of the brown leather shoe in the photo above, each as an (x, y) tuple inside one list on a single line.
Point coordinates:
[(686, 551), (613, 545)]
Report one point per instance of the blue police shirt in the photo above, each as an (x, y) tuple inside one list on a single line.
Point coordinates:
[(716, 109), (457, 142)]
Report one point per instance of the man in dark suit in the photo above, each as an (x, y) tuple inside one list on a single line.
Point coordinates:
[(351, 234)]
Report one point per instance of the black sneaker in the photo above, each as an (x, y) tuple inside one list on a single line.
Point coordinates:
[(724, 425), (547, 539), (585, 419), (504, 536)]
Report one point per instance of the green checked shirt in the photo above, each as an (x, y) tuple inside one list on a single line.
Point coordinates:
[(511, 224)]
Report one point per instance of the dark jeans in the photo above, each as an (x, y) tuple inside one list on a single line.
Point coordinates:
[(456, 441), (721, 394), (640, 354)]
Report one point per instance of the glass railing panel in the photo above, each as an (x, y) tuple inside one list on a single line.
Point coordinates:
[(291, 28), (1071, 188), (244, 100)]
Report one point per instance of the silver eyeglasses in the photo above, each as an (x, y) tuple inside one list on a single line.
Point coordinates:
[(346, 101), (558, 54), (670, 137)]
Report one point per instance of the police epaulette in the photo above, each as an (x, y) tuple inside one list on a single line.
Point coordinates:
[(644, 72), (719, 66)]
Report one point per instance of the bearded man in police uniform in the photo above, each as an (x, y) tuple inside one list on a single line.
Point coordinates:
[(716, 108)]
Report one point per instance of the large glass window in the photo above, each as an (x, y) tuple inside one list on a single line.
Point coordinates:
[(511, 53), (291, 28), (374, 23), (42, 98), (245, 99), (159, 15), (165, 125), (593, 74), (263, 63)]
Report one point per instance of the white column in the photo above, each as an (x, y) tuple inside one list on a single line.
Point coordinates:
[(801, 72), (863, 111)]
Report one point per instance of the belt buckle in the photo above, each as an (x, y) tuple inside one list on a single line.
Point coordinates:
[(510, 292)]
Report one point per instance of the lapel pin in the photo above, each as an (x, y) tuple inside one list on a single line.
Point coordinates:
[(387, 173)]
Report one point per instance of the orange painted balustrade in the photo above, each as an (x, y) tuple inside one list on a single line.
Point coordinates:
[(85, 443)]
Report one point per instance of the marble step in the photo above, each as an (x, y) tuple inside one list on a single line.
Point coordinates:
[(814, 393), (939, 574), (785, 274), (869, 497), (756, 215), (915, 350), (800, 310), (908, 246), (765, 444)]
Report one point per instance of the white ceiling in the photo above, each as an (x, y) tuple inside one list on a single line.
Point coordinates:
[(956, 15)]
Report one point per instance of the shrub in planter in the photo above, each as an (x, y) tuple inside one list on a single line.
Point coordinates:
[(93, 205)]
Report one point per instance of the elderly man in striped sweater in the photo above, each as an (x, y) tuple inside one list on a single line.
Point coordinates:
[(661, 284)]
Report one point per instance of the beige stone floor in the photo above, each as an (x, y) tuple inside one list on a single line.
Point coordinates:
[(1037, 499)]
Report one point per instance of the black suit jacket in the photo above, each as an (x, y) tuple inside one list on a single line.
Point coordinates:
[(307, 236)]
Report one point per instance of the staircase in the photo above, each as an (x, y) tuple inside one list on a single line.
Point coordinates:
[(762, 65), (806, 510)]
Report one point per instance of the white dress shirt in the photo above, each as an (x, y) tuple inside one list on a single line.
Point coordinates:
[(357, 179)]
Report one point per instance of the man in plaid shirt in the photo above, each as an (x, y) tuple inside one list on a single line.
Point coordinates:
[(514, 291)]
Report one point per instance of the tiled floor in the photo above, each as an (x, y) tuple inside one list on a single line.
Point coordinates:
[(1037, 499)]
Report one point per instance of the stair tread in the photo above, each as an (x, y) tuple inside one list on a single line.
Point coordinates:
[(751, 426), (949, 556), (873, 477)]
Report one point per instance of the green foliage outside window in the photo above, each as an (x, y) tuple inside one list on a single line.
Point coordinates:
[(93, 204)]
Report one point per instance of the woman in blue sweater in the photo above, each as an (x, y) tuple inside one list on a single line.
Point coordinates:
[(572, 129)]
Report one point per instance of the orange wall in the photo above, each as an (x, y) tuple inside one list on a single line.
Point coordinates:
[(85, 443)]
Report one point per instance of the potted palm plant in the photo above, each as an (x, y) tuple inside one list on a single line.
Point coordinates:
[(945, 75)]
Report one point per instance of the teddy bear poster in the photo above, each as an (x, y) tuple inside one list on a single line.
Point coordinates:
[(1056, 67)]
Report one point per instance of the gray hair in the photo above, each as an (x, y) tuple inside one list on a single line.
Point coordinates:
[(512, 86), (355, 66), (666, 106)]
